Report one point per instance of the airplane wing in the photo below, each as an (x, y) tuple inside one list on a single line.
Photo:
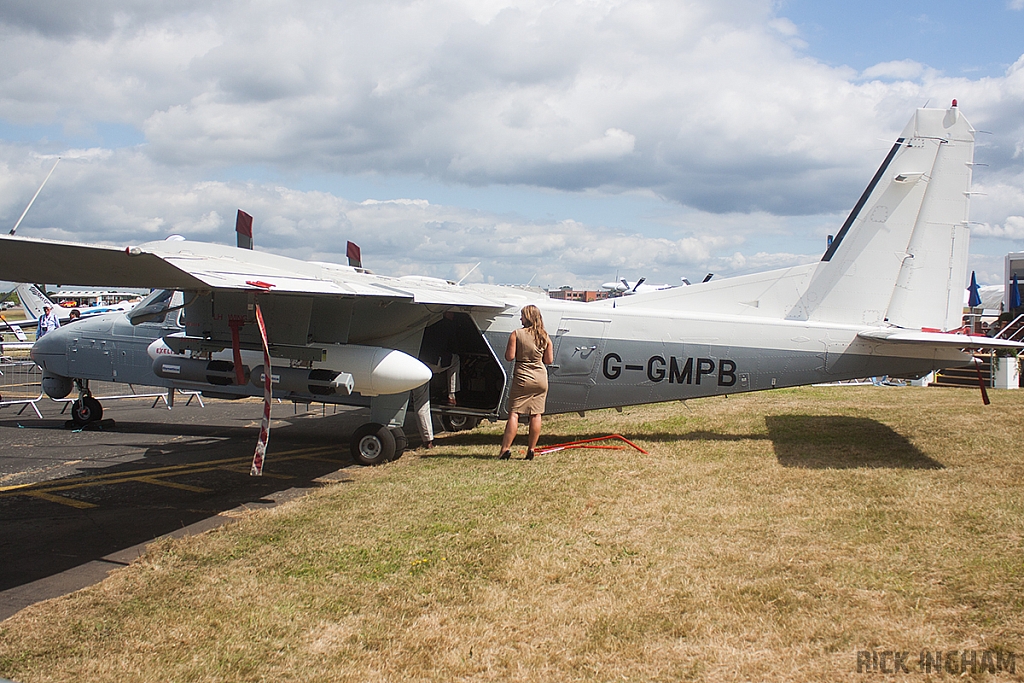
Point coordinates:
[(959, 341), (199, 266), (16, 329)]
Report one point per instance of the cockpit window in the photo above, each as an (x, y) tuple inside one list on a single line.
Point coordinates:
[(160, 298), (154, 308)]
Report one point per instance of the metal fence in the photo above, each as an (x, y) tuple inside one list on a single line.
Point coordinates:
[(21, 387), (20, 384)]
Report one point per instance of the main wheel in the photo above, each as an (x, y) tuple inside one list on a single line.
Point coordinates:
[(458, 423), (86, 410), (401, 441), (373, 444)]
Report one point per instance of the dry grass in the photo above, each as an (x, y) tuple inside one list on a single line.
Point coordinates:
[(766, 537)]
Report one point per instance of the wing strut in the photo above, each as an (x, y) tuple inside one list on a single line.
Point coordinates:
[(981, 382), (236, 324)]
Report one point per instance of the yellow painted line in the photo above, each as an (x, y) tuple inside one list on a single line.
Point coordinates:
[(158, 475), (244, 469), (80, 504), (197, 466), (169, 484)]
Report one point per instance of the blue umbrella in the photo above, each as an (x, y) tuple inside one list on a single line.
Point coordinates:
[(975, 300), (1015, 294)]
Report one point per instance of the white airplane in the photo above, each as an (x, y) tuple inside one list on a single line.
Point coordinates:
[(33, 301), (882, 300), (624, 287)]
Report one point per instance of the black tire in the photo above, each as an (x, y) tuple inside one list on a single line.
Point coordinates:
[(86, 410), (458, 423), (373, 444), (401, 441)]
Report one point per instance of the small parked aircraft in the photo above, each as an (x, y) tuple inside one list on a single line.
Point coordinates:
[(882, 300), (624, 287), (33, 301)]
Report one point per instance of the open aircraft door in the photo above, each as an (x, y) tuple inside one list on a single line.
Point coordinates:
[(579, 345)]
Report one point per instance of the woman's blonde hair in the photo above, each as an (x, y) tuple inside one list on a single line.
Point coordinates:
[(535, 324)]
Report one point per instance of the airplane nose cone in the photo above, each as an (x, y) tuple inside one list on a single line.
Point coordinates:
[(51, 352)]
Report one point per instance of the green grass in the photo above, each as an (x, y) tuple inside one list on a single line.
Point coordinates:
[(766, 537)]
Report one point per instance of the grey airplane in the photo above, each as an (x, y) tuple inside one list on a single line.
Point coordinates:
[(884, 299)]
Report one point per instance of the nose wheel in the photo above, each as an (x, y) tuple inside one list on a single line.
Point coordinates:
[(86, 410)]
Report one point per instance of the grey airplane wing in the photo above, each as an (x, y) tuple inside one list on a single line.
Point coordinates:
[(54, 262), (196, 266)]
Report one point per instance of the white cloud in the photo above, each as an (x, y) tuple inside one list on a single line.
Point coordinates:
[(713, 107), (906, 69), (1012, 229)]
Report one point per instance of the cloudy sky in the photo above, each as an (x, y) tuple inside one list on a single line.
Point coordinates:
[(552, 142)]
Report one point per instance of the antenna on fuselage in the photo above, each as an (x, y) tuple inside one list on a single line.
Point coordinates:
[(34, 197), (470, 271)]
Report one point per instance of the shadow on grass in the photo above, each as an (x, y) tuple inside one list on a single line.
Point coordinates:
[(807, 441), (836, 442), (490, 443)]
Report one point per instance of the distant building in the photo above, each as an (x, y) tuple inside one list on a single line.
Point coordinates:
[(584, 295), (92, 297), (1014, 266)]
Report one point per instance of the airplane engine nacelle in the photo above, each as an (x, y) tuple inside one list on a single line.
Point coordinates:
[(319, 382), (57, 387), (218, 372)]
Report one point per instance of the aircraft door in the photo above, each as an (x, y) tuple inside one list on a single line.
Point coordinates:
[(578, 346)]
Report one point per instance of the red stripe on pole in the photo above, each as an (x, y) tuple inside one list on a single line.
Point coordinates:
[(261, 444)]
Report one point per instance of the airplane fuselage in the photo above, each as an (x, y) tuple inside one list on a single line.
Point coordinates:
[(603, 357)]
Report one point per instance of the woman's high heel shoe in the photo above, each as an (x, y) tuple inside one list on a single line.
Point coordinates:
[(505, 455), (529, 454)]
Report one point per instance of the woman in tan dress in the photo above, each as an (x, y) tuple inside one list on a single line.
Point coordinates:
[(530, 348)]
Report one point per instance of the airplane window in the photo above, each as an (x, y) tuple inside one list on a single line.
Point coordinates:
[(153, 308), (160, 298)]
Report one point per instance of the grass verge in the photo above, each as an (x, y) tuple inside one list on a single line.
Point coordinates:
[(768, 536)]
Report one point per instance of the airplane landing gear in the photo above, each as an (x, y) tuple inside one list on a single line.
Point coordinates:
[(457, 423), (86, 409), (373, 444), (401, 442)]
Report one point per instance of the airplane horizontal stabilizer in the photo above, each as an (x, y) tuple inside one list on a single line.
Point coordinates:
[(960, 341)]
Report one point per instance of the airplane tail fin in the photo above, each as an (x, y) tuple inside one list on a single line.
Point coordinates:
[(901, 255), (33, 300), (899, 259)]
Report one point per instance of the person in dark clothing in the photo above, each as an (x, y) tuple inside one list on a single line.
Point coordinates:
[(437, 351)]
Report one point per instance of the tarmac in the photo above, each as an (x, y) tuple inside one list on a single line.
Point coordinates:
[(76, 504)]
